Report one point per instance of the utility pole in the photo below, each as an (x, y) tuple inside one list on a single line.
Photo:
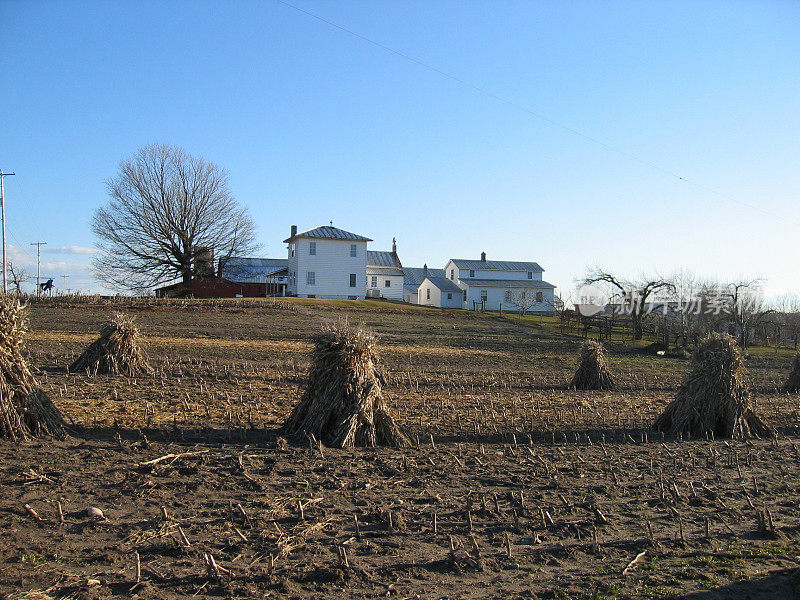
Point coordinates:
[(3, 211), (38, 265), (64, 284)]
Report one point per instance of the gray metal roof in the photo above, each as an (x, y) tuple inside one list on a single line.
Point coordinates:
[(383, 259), (413, 276), (444, 284), (252, 270), (496, 265), (507, 283), (328, 232)]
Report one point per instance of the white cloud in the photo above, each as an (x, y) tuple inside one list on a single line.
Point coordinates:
[(70, 250)]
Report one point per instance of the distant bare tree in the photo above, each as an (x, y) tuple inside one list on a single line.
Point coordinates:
[(746, 306), (167, 208), (523, 299), (788, 308), (17, 276), (635, 294)]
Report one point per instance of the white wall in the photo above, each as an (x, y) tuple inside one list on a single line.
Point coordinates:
[(439, 298), (332, 266), (395, 289), (496, 296)]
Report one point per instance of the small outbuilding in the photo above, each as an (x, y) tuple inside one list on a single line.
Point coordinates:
[(440, 292)]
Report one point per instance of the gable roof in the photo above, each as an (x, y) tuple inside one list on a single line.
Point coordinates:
[(444, 284), (252, 270), (328, 232), (413, 276), (383, 259), (508, 283), (495, 265)]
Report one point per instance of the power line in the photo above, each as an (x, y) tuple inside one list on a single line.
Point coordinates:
[(507, 101), (38, 265)]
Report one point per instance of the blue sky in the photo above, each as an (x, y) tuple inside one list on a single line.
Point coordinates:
[(315, 124)]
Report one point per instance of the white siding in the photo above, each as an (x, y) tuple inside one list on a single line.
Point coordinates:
[(439, 298), (496, 296), (332, 266), (395, 289)]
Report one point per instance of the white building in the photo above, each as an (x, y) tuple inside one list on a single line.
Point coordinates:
[(496, 284), (440, 292), (412, 280), (385, 276), (327, 262)]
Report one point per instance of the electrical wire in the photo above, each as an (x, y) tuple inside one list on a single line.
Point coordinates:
[(551, 121)]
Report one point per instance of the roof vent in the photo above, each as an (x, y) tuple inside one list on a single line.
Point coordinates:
[(483, 256)]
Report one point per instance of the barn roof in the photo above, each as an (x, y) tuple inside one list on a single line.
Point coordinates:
[(444, 284), (252, 270), (328, 232), (496, 265)]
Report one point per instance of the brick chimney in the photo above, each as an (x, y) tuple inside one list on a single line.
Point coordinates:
[(483, 256), (293, 230), (424, 270)]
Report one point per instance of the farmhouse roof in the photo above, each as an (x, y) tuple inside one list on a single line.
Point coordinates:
[(327, 232), (444, 284), (495, 265), (508, 283), (414, 276), (383, 259)]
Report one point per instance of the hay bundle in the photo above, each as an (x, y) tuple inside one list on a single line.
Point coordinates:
[(343, 404), (25, 410), (793, 383), (714, 397), (592, 373), (115, 352)]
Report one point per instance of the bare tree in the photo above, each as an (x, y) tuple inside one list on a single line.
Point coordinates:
[(167, 209), (635, 294), (788, 307), (17, 276), (522, 298), (746, 306)]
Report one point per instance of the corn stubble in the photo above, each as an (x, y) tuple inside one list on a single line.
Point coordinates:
[(343, 404), (115, 352), (714, 397), (592, 373), (25, 409)]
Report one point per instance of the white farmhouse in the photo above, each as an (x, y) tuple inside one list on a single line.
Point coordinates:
[(385, 275), (412, 280), (492, 284), (327, 262)]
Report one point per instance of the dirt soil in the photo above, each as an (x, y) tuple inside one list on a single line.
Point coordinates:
[(516, 486)]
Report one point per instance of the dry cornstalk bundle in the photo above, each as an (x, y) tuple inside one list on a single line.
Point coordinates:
[(714, 396), (592, 373), (115, 352), (343, 405), (25, 410), (793, 383)]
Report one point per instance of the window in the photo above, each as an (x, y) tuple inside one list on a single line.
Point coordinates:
[(374, 281), (352, 297), (465, 295), (312, 248), (539, 297), (291, 249), (428, 293), (311, 278), (452, 273), (509, 295), (471, 273), (352, 280), (449, 296), (353, 249), (388, 283), (530, 275), (484, 296)]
